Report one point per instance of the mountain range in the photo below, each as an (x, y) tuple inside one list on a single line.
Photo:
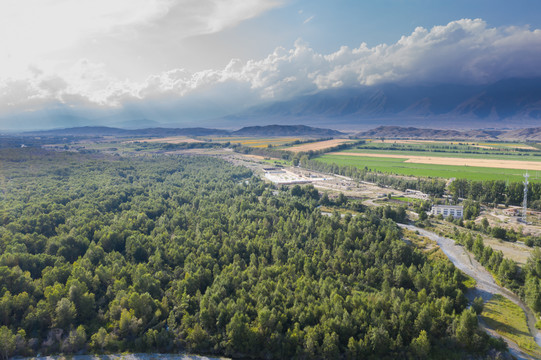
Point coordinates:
[(258, 131), (512, 103), (398, 132)]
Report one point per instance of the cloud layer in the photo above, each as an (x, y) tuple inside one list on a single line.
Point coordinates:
[(463, 51)]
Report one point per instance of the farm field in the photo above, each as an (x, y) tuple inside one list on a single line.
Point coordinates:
[(481, 145), (530, 156), (319, 145), (454, 161), (253, 141), (399, 166)]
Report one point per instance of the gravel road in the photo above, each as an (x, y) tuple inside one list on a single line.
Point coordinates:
[(486, 287)]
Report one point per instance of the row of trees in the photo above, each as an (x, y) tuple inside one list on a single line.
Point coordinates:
[(455, 148), (496, 191), (189, 253), (434, 187)]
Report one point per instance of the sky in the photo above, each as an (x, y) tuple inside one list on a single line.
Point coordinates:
[(212, 57)]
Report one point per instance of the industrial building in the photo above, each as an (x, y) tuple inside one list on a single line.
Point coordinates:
[(456, 211)]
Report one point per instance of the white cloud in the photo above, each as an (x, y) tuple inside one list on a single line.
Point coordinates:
[(34, 32), (464, 51), (308, 20)]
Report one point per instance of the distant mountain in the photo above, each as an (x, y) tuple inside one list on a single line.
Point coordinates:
[(138, 124), (397, 132), (530, 134), (269, 130), (286, 130), (111, 131), (496, 105)]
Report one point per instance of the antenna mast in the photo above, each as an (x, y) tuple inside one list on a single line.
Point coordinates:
[(525, 201)]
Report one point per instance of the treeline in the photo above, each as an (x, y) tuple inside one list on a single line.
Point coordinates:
[(166, 253), (295, 158), (459, 148), (143, 145), (434, 187), (497, 192), (510, 234)]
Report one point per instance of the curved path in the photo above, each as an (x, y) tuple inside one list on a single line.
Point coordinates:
[(486, 287)]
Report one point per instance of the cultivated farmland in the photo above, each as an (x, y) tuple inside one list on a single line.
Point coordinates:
[(318, 145), (490, 163), (443, 159), (255, 141)]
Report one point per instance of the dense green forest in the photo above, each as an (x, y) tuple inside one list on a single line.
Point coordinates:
[(169, 253)]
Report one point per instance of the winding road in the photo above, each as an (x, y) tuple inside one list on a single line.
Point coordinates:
[(486, 287)]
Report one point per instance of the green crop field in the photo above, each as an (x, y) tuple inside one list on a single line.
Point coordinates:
[(401, 167), (532, 156)]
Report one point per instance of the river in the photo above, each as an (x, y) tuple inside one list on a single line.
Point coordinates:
[(486, 287)]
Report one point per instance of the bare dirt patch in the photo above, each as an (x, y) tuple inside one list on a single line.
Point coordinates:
[(315, 146), (489, 163)]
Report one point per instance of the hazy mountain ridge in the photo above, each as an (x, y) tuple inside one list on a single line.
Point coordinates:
[(398, 132), (286, 130), (268, 130), (506, 99), (112, 131), (532, 134), (511, 103)]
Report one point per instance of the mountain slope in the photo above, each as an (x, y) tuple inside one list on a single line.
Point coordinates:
[(397, 132), (286, 130), (268, 130), (506, 99)]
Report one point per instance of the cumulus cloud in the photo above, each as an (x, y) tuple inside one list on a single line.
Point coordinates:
[(463, 51)]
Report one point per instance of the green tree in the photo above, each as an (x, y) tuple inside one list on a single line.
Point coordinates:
[(420, 346), (7, 342), (65, 313)]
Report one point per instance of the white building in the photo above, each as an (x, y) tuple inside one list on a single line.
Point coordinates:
[(455, 210)]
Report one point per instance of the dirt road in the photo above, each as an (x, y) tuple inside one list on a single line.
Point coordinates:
[(486, 287)]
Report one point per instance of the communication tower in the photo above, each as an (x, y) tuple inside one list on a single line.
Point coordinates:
[(525, 201)]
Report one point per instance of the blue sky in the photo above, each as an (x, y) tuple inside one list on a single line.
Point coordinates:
[(232, 54)]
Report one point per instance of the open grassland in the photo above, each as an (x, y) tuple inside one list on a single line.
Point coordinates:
[(509, 320), (255, 142), (318, 145), (399, 166)]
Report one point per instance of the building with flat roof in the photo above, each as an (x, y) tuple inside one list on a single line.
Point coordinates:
[(456, 211)]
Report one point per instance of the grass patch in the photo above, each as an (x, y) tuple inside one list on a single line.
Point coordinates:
[(508, 320), (407, 199)]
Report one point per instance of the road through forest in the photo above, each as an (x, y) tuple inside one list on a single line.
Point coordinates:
[(486, 287)]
